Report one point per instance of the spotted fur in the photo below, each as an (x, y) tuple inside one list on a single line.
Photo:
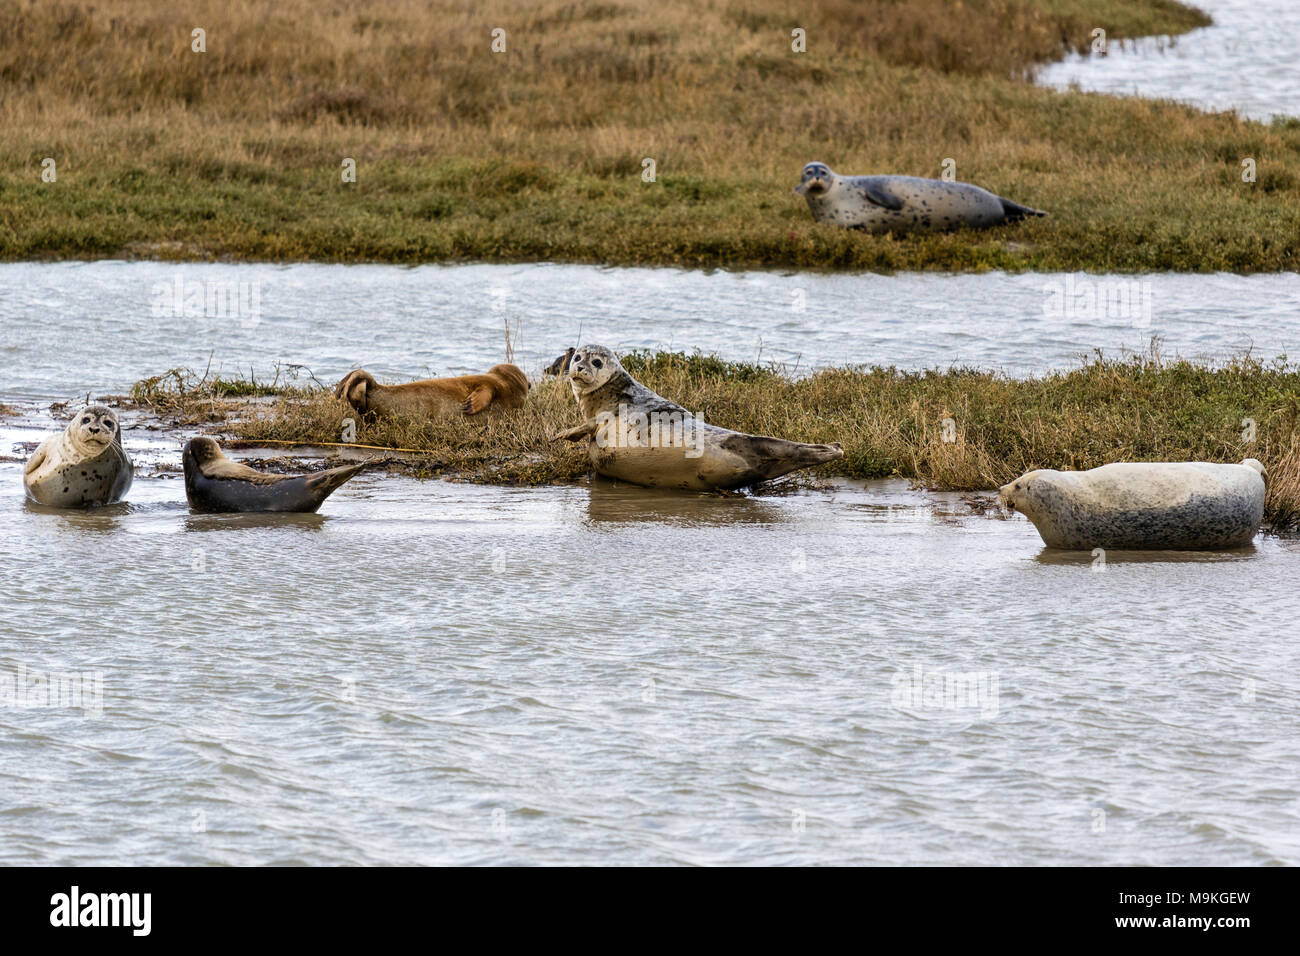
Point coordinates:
[(903, 203)]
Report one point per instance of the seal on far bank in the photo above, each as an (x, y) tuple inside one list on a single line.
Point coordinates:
[(903, 203), (83, 466), (214, 484), (1193, 505), (502, 386), (637, 436)]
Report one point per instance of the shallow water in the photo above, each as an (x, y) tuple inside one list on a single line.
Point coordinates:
[(440, 673), (430, 672), (73, 328), (1244, 61)]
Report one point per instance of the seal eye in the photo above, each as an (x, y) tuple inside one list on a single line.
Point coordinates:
[(108, 425), (597, 363)]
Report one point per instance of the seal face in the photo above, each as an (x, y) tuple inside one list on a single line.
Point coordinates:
[(501, 387), (214, 484), (1143, 506), (83, 467), (903, 203), (637, 436)]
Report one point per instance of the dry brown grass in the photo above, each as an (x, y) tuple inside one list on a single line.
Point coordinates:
[(536, 153), (1282, 507)]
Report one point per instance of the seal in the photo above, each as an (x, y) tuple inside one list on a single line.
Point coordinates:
[(903, 203), (637, 436), (560, 367), (83, 466), (1193, 505), (503, 386), (214, 484)]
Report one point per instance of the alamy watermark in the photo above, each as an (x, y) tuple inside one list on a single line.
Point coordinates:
[(25, 689), (209, 298), (628, 428), (1091, 299), (928, 690)]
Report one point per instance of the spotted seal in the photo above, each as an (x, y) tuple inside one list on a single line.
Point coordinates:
[(637, 436), (215, 484), (903, 203), (1192, 505), (83, 466)]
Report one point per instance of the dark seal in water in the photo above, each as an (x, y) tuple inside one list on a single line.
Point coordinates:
[(215, 484)]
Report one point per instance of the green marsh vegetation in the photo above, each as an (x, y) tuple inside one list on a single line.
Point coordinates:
[(536, 153)]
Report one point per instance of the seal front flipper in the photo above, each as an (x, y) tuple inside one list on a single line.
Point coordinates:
[(875, 191), (585, 430), (478, 400), (35, 461)]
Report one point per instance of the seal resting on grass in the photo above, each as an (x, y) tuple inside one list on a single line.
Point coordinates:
[(81, 467), (560, 367), (1192, 505), (215, 484), (903, 203), (637, 436), (502, 386)]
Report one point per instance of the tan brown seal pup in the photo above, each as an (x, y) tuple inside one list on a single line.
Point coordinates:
[(214, 484), (1184, 505), (83, 466), (637, 436), (502, 386), (903, 203)]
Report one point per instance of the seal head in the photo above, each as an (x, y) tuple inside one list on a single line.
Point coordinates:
[(93, 430), (593, 367), (817, 178)]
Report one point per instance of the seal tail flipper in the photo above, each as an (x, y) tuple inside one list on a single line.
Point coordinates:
[(774, 457), (1014, 212), (323, 484)]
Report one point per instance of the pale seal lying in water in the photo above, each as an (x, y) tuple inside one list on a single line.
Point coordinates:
[(83, 466), (637, 436), (903, 203), (1137, 506), (215, 484)]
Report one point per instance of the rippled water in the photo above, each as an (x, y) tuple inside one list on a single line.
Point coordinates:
[(431, 672), (73, 328), (1245, 61)]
